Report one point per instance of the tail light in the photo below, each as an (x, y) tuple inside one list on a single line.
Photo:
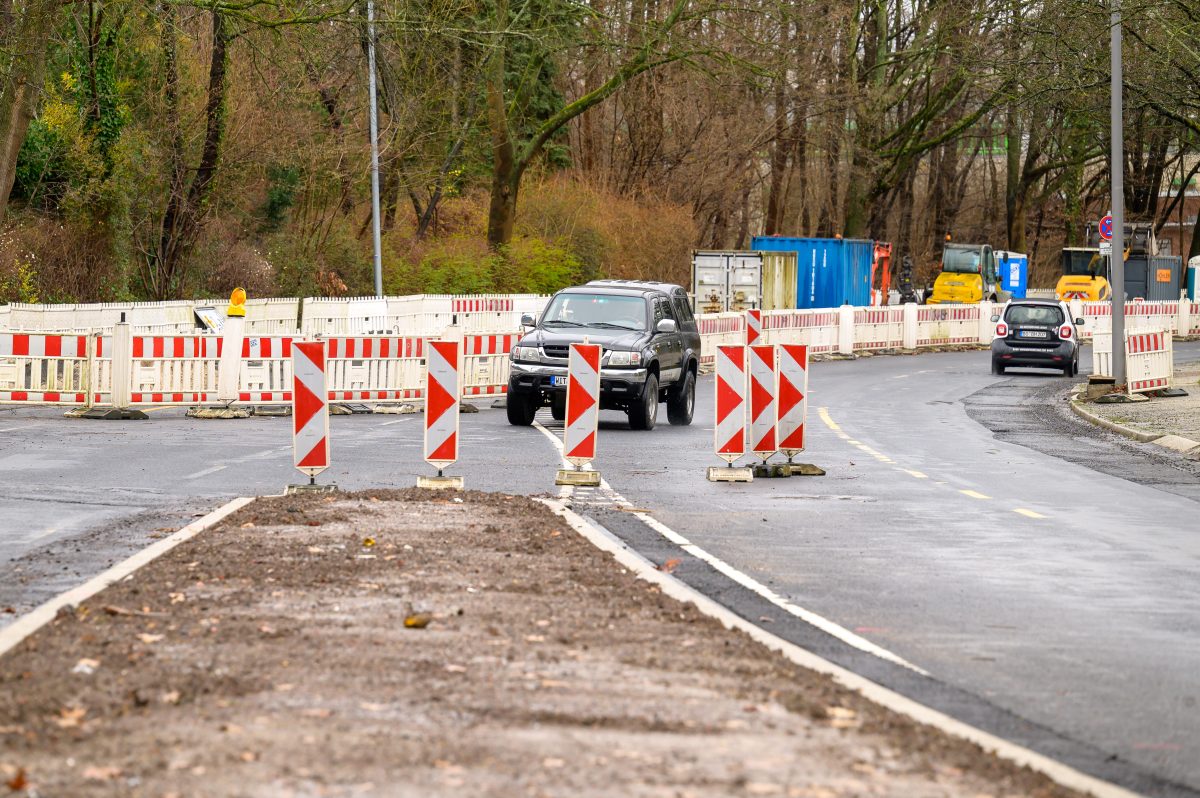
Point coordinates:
[(1065, 332), (1001, 330)]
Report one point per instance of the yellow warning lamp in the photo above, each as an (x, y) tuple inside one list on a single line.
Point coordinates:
[(947, 236), (237, 303)]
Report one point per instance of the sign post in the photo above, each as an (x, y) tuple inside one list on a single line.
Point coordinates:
[(1116, 272), (441, 414), (764, 410), (310, 414), (582, 417), (730, 428)]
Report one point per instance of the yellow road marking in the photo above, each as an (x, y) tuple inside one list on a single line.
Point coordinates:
[(916, 474), (1028, 513), (823, 412), (974, 494)]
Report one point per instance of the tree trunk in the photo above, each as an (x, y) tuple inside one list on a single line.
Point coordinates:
[(24, 39)]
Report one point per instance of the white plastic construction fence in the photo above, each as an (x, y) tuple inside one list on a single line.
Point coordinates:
[(377, 346), (1149, 359)]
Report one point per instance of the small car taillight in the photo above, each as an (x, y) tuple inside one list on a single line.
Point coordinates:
[(1001, 330), (1065, 332)]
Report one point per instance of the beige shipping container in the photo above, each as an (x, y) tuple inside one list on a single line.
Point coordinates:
[(778, 280)]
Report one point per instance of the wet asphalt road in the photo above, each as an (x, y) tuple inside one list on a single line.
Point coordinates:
[(1046, 575)]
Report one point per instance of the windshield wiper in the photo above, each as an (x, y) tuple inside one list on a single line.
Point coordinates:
[(613, 326), (564, 322)]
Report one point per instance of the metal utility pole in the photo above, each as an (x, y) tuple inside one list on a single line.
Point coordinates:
[(375, 234), (1116, 260)]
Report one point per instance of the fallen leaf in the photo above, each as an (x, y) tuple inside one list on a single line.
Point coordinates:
[(535, 638), (70, 717), (94, 773), (267, 629), (249, 756), (556, 533), (283, 688), (248, 525), (18, 782), (314, 523), (368, 542), (317, 712), (148, 638), (370, 707), (670, 565), (418, 620), (170, 697), (841, 717), (553, 762), (456, 668), (86, 666), (177, 598)]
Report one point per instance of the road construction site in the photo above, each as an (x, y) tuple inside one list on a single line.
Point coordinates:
[(974, 545)]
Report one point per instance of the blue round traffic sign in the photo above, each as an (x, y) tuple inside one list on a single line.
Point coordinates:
[(1106, 228)]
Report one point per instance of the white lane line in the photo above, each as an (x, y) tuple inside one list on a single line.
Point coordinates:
[(1028, 513), (564, 491), (205, 472), (390, 423), (914, 474), (808, 616), (974, 494), (673, 587), (14, 429)]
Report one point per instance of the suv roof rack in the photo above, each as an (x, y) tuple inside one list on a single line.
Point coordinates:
[(645, 285)]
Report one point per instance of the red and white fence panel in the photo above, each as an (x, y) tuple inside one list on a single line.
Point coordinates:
[(583, 404), (184, 369), (729, 435), (817, 329), (943, 326), (310, 409), (878, 328), (719, 329), (793, 398), (376, 368), (763, 406), (441, 405), (1149, 361), (486, 363), (754, 328), (49, 369)]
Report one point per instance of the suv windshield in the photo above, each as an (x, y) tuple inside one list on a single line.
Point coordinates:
[(596, 310), (961, 259), (1045, 315)]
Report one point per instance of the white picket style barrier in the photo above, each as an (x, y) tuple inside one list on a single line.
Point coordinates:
[(818, 329), (1149, 359)]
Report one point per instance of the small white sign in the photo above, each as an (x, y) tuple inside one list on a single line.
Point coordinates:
[(1106, 248)]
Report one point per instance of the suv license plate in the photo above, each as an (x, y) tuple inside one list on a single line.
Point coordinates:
[(559, 382), (1032, 334)]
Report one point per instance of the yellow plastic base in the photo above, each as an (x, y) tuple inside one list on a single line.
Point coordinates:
[(440, 483), (581, 479)]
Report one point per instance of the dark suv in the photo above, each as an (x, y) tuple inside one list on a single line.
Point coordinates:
[(650, 351), (1036, 332)]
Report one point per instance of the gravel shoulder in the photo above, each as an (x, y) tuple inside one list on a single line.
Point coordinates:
[(279, 654), (1179, 415)]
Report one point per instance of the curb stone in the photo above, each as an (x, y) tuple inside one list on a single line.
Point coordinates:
[(1176, 443)]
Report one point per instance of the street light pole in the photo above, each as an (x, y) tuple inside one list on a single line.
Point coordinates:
[(375, 233), (1116, 258)]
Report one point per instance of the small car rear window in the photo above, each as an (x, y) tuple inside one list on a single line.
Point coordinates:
[(1046, 315)]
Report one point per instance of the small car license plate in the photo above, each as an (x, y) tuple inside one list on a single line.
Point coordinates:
[(560, 382), (1032, 334)]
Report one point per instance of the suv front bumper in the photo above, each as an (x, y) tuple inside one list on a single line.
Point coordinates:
[(615, 384)]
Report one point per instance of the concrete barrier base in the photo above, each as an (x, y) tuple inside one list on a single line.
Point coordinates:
[(114, 414), (292, 490), (730, 474), (440, 483), (772, 470), (576, 478), (805, 470)]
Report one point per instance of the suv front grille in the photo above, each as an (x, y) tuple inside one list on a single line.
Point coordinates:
[(556, 351)]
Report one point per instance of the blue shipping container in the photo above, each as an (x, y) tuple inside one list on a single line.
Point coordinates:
[(829, 271)]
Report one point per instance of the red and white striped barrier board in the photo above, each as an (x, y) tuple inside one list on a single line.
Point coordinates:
[(310, 409), (375, 368), (1149, 361), (52, 369), (754, 327), (583, 404), (441, 404), (793, 398), (730, 432), (486, 364), (763, 407), (483, 305)]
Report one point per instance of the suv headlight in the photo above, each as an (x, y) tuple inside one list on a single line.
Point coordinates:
[(527, 353), (624, 358)]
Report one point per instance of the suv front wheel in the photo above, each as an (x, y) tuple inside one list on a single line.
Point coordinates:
[(521, 408), (681, 401), (644, 413)]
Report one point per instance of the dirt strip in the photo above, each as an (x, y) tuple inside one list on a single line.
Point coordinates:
[(413, 644)]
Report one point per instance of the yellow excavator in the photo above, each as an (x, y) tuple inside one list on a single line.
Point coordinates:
[(968, 275)]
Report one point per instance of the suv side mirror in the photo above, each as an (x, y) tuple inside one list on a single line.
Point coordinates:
[(527, 321), (666, 326), (995, 319), (1078, 322)]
